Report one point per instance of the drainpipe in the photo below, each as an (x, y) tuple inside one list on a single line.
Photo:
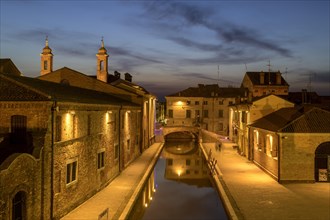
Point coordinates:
[(119, 141), (52, 161), (279, 143)]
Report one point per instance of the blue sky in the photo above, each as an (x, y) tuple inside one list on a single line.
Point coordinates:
[(169, 46)]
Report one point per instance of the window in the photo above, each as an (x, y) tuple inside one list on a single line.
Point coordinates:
[(101, 65), (188, 162), (58, 132), (115, 122), (100, 160), (244, 117), (18, 128), (71, 172), (221, 102), (196, 102), (188, 113), (220, 126), (89, 123), (197, 112), (205, 113), (170, 113), (128, 144), (116, 151), (169, 162), (197, 162), (45, 65), (19, 206), (221, 113), (188, 102), (230, 102), (204, 102)]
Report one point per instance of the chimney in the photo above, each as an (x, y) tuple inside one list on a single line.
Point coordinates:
[(278, 78), (262, 77), (117, 74), (128, 77)]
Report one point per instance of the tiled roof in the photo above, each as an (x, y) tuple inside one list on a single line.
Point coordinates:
[(7, 66), (255, 78), (45, 90), (210, 91), (296, 120)]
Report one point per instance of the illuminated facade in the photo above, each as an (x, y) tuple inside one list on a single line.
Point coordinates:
[(114, 85), (61, 139), (245, 113), (205, 106), (293, 144)]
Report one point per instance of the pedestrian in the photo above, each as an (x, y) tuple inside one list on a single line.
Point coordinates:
[(219, 146)]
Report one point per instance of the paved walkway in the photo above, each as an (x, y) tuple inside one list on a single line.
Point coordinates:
[(116, 200), (258, 196)]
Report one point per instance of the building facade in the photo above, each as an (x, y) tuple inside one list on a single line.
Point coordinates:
[(205, 106), (293, 145), (243, 114), (264, 83), (114, 85)]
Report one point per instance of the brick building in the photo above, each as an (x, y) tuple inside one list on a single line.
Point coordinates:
[(65, 136), (60, 138), (264, 83), (293, 144), (109, 83), (205, 106)]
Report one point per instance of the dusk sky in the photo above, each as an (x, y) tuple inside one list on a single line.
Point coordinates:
[(168, 46)]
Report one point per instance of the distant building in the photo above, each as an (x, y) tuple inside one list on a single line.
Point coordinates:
[(264, 83), (205, 106), (293, 144), (243, 114)]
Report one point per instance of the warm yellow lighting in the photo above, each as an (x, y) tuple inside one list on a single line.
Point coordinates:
[(150, 198), (72, 112), (146, 204), (271, 142), (179, 172), (128, 111), (154, 190), (180, 103), (110, 112)]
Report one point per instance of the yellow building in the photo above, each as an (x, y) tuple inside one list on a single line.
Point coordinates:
[(293, 144), (205, 106), (245, 113)]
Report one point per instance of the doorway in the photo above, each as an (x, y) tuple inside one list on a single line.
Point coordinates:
[(322, 162)]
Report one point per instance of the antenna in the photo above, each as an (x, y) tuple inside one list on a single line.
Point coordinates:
[(269, 71), (218, 75), (245, 67)]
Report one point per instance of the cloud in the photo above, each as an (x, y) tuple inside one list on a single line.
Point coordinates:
[(202, 76), (188, 16)]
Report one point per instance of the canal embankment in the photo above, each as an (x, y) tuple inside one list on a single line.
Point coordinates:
[(116, 200)]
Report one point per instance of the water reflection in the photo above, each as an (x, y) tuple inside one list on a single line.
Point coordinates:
[(179, 187)]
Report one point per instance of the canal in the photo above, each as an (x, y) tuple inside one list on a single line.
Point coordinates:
[(180, 187)]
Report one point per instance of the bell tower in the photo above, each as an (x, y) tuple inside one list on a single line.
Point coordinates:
[(102, 63), (46, 63)]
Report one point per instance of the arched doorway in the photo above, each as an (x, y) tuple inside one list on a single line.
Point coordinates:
[(322, 162), (19, 206)]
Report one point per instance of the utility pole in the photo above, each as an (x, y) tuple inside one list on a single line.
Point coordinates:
[(269, 72)]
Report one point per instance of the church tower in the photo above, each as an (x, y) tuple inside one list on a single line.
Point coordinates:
[(102, 64), (46, 63)]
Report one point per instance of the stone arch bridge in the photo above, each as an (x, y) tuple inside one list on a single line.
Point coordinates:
[(183, 131)]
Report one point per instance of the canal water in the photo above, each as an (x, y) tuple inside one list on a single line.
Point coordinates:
[(179, 187)]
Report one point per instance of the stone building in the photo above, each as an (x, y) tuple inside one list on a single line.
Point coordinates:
[(62, 139), (244, 113), (293, 144), (264, 83), (205, 106), (112, 84)]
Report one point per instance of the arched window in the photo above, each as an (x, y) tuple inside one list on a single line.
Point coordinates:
[(322, 162), (19, 206), (101, 65), (45, 65)]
